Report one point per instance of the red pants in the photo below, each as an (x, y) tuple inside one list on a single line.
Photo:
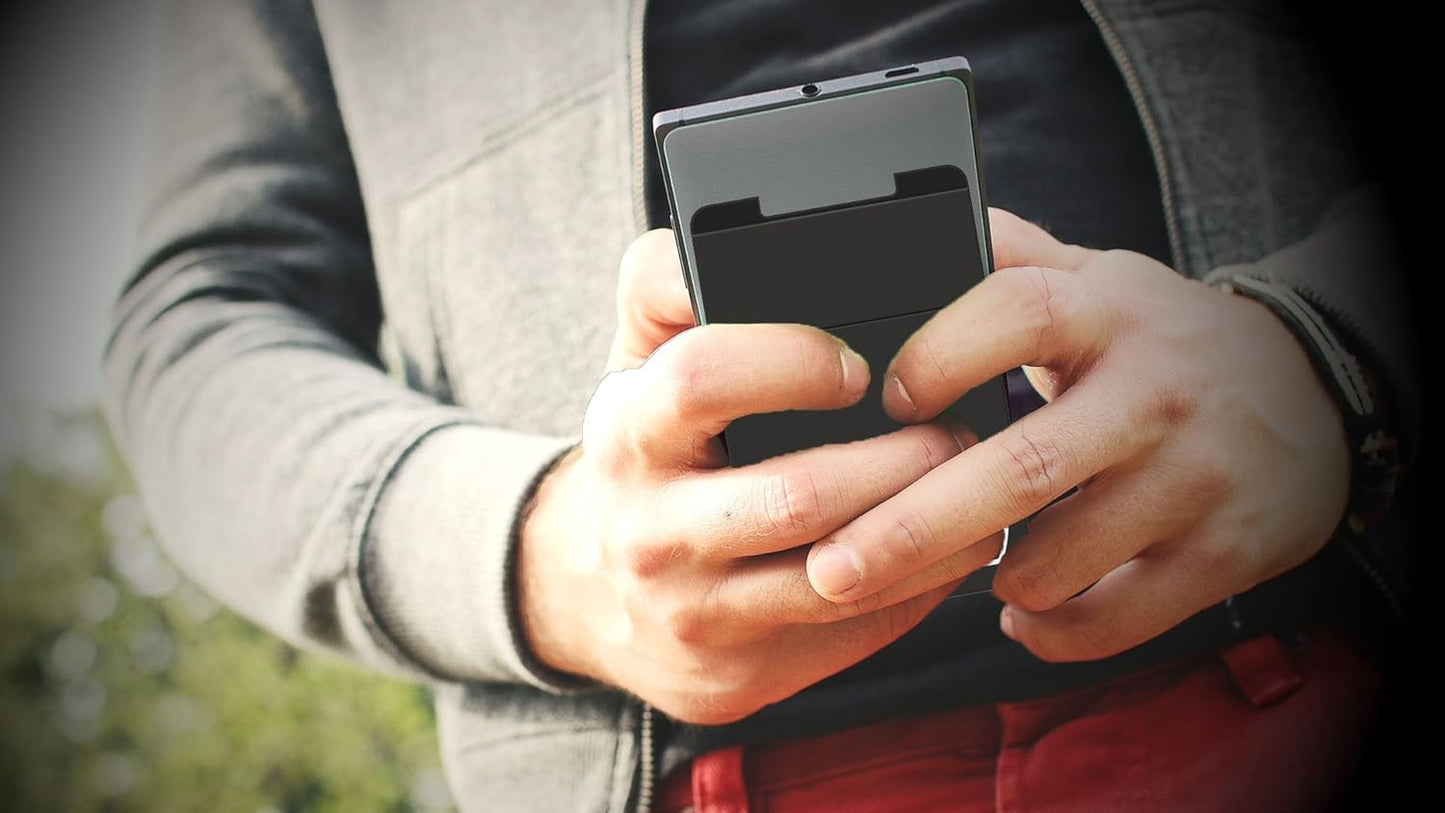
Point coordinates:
[(1257, 726)]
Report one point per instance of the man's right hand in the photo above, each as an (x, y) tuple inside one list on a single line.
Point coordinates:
[(647, 563)]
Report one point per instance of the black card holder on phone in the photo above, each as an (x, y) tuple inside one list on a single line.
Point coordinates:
[(870, 272)]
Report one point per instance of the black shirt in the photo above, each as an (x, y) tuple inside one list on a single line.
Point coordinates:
[(1061, 142), (1062, 145)]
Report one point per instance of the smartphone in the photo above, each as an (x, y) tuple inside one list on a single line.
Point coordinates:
[(853, 204)]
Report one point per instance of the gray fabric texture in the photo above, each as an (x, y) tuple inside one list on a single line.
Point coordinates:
[(334, 409)]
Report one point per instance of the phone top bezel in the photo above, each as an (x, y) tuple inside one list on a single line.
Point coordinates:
[(664, 122)]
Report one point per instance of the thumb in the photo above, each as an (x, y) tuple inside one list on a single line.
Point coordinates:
[(1017, 242), (652, 303)]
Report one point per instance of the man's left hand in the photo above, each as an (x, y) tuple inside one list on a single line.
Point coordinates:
[(1207, 454)]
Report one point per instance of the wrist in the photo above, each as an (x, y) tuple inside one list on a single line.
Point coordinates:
[(1375, 462), (546, 605)]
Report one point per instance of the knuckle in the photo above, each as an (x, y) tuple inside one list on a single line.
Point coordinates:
[(646, 560), (687, 624), (646, 546), (1211, 478), (613, 457), (1129, 313), (1172, 403), (1033, 586), (679, 383), (1038, 293), (629, 544), (913, 535), (791, 501), (1037, 301), (935, 447), (1033, 468), (613, 429), (921, 365)]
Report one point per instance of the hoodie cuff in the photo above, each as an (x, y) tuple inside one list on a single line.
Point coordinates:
[(1350, 270), (437, 556)]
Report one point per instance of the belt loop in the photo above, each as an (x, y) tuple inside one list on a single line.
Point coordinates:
[(1262, 670), (717, 782)]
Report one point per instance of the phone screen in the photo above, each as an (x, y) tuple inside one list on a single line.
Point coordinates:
[(870, 272)]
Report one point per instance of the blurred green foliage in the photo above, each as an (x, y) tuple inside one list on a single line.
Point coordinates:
[(126, 688)]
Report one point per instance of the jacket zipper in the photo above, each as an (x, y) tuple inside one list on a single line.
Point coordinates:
[(1151, 129), (645, 744), (636, 15)]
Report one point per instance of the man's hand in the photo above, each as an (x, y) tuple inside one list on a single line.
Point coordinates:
[(1207, 454), (648, 564)]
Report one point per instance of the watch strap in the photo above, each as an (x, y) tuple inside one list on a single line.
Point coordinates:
[(1375, 466)]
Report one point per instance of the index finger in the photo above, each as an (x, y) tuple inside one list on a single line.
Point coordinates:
[(1018, 242), (984, 489), (702, 379), (1019, 316), (794, 499)]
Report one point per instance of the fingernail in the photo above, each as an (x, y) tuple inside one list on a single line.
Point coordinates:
[(1006, 622), (900, 393), (855, 371), (834, 570)]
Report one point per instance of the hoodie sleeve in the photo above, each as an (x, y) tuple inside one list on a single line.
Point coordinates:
[(283, 469)]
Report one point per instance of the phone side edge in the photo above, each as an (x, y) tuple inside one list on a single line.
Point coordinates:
[(664, 123)]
